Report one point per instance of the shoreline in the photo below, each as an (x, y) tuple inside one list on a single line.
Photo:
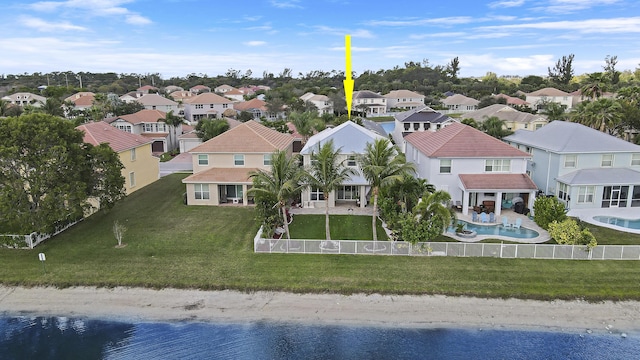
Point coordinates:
[(401, 311)]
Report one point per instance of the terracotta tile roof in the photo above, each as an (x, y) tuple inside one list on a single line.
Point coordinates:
[(254, 103), (248, 137), (396, 94), (86, 100), (461, 141), (100, 132), (497, 182), (459, 99), (222, 175), (512, 100), (189, 135), (78, 95), (147, 88), (366, 94), (155, 99), (142, 116), (200, 87), (186, 128), (182, 95), (208, 98)]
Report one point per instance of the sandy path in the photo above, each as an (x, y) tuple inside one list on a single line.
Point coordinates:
[(137, 304)]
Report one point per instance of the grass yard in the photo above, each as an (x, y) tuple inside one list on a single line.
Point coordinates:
[(173, 245), (343, 227)]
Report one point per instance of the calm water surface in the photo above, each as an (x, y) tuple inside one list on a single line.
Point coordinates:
[(67, 338)]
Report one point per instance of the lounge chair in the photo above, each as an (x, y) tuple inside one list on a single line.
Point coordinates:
[(505, 222), (518, 223), (484, 217), (474, 216), (492, 217), (458, 205)]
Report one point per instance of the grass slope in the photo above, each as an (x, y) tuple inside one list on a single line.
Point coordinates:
[(173, 245)]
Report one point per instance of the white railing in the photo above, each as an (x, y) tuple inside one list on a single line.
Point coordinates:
[(457, 249), (33, 239)]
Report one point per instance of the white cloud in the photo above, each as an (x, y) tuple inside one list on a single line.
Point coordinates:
[(255, 43), (47, 26), (454, 20), (358, 33), (570, 6), (506, 4), (135, 19), (605, 26), (482, 63), (437, 35), (286, 4)]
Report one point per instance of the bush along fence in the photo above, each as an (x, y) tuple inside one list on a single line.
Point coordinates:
[(32, 240), (458, 249)]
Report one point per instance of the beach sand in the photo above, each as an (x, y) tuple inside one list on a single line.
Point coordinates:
[(425, 311)]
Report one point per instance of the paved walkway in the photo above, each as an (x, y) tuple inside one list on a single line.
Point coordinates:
[(586, 215)]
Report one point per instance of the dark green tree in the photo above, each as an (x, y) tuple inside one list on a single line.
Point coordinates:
[(210, 128), (562, 72), (495, 127), (48, 174)]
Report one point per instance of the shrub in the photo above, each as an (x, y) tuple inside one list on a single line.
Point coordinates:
[(568, 232), (547, 210)]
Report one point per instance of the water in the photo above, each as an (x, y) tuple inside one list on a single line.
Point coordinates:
[(520, 233), (625, 223), (66, 338), (388, 126)]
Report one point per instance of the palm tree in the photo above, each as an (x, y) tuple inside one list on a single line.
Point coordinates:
[(173, 121), (596, 83), (432, 208), (382, 164), (305, 123), (283, 182), (495, 127), (603, 114), (327, 173)]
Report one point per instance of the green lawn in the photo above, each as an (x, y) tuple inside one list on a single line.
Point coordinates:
[(343, 227), (173, 245)]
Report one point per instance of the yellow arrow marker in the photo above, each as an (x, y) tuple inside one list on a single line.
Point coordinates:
[(348, 82)]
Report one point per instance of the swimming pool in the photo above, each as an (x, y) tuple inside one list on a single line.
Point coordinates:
[(499, 230), (388, 126), (625, 223)]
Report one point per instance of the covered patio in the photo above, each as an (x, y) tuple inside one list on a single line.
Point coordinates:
[(479, 189)]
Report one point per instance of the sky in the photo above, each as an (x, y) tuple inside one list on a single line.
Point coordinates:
[(181, 37)]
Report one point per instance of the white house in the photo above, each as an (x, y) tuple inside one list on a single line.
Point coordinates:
[(583, 167), (25, 98), (460, 103), (352, 140), (321, 102), (369, 103), (473, 167), (540, 98), (423, 118), (158, 102), (404, 99), (205, 105)]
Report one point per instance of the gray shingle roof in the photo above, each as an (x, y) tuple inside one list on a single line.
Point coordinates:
[(569, 137), (422, 114), (613, 176), (351, 137)]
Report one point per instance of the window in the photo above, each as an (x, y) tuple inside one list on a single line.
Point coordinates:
[(445, 166), (234, 191), (153, 107), (225, 106), (211, 106), (133, 154), (585, 194), (201, 191), (526, 126), (126, 128), (316, 194), (348, 192), (563, 191), (266, 159), (161, 127), (238, 160), (199, 106), (570, 161), (407, 126), (132, 179), (607, 160), (538, 126), (203, 159), (148, 127), (635, 159), (635, 196), (416, 126), (497, 165), (351, 160)]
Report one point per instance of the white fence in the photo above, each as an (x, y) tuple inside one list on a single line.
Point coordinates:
[(33, 239), (498, 250)]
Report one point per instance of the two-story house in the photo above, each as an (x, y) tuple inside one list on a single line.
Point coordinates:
[(140, 166), (255, 106), (352, 140), (583, 167), (25, 98), (81, 100), (321, 102), (205, 106), (369, 103), (423, 118), (513, 119), (539, 99), (460, 103), (150, 124), (471, 166), (222, 165), (404, 99), (158, 102)]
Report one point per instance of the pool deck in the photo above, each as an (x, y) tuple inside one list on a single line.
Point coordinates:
[(526, 223), (586, 215)]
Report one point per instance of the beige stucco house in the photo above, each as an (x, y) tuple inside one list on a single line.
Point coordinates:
[(222, 165), (140, 166)]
